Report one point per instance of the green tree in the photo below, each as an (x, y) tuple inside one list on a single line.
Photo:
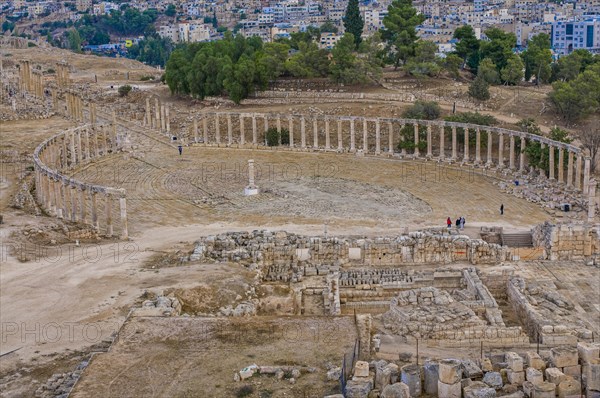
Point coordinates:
[(479, 89), (425, 62), (74, 40), (328, 27), (512, 73), (152, 50), (452, 64), (467, 47), (498, 48), (570, 66), (353, 22), (488, 71), (400, 30), (124, 90), (538, 58), (171, 11), (7, 25), (537, 156), (577, 98), (309, 61)]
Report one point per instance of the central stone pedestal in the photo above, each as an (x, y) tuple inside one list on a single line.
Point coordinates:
[(250, 190)]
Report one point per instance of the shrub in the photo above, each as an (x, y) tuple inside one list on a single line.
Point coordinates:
[(428, 110), (30, 44), (244, 391), (479, 89), (273, 137), (146, 78), (124, 90), (50, 71)]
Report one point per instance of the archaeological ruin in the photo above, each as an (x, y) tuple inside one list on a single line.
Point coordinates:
[(315, 265)]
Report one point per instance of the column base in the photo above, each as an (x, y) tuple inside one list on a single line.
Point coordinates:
[(250, 191)]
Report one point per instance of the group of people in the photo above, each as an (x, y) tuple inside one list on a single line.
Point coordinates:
[(460, 223)]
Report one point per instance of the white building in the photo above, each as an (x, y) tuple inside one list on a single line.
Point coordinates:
[(574, 35)]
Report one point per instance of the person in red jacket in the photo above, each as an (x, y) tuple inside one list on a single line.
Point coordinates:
[(449, 223)]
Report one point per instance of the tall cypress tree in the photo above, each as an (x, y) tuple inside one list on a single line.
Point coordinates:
[(353, 22)]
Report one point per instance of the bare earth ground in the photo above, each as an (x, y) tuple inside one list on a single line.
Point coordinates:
[(55, 310)]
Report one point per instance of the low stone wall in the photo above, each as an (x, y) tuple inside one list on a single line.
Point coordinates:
[(572, 241), (283, 254)]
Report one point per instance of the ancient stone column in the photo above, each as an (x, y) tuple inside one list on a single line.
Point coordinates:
[(156, 123), (266, 125), (561, 165), (391, 138), (490, 143), (73, 191), (254, 131), (205, 129), (278, 125), (148, 118), (466, 157), (93, 197), (72, 146), (291, 128), (64, 150), (541, 171), (511, 159), (163, 125), (315, 133), (167, 119), (339, 134), (94, 118), (377, 137), (501, 150), (302, 133), (522, 157), (251, 189), (327, 137), (477, 146), (96, 146), (196, 129), (242, 130), (217, 129), (365, 137), (79, 148), (114, 129), (454, 144), (65, 203), (83, 209), (578, 171), (352, 137), (123, 209), (592, 200), (416, 130), (551, 161), (570, 169), (108, 210), (58, 207), (229, 130), (429, 142), (442, 141), (586, 175)]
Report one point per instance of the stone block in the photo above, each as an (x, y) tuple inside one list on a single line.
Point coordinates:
[(534, 360), (515, 377), (383, 377), (493, 379), (431, 377), (592, 375), (361, 369), (479, 389), (544, 390), (411, 376), (555, 376), (528, 388), (334, 374), (564, 356), (573, 371), (569, 388), (396, 390), (486, 365), (514, 361), (587, 351), (518, 394), (449, 390), (248, 372), (533, 375), (450, 371), (359, 387), (471, 370)]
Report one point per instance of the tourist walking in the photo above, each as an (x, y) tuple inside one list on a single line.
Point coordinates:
[(180, 148), (502, 209), (449, 223), (462, 223), (458, 223)]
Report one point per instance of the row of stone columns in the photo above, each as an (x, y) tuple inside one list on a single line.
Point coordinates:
[(37, 83), (573, 174), (62, 75), (161, 119), (74, 106), (70, 199), (25, 75)]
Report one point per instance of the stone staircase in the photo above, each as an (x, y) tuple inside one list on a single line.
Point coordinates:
[(517, 239)]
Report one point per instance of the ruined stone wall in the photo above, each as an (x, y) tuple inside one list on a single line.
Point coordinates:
[(567, 241), (287, 256)]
